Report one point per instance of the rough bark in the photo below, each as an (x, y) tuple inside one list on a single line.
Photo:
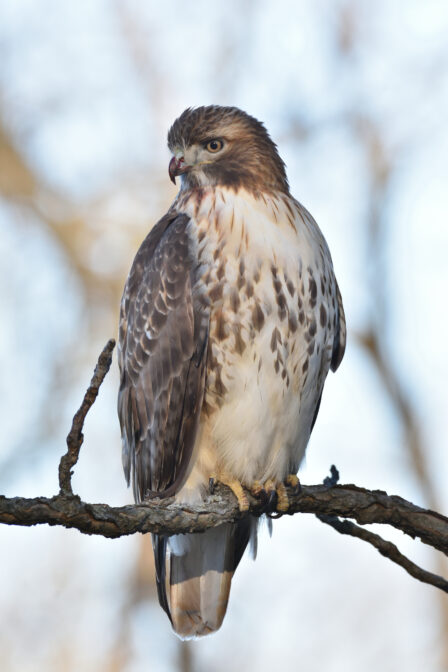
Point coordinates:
[(167, 517)]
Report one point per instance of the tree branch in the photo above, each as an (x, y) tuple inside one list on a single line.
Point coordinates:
[(167, 517), (386, 548), (75, 436), (328, 501)]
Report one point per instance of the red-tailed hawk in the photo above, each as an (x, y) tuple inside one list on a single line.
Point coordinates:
[(230, 320)]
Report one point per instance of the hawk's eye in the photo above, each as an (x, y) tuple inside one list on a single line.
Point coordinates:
[(214, 146)]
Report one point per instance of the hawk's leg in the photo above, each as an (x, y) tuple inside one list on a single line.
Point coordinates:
[(237, 489), (283, 500), (267, 493), (293, 481), (275, 497)]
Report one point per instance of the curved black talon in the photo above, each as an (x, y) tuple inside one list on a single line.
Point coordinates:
[(272, 500), (262, 495), (274, 516), (211, 486), (269, 502)]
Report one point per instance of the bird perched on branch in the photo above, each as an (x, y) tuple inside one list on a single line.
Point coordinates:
[(230, 320)]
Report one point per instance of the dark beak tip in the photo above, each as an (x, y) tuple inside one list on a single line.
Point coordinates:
[(174, 169)]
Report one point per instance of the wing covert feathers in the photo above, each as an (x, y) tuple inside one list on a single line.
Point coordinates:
[(341, 334), (162, 346)]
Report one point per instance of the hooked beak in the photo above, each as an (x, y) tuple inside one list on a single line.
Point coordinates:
[(177, 167)]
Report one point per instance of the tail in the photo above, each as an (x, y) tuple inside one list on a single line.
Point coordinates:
[(201, 567)]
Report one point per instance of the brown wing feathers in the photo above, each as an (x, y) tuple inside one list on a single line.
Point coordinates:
[(341, 334), (163, 338)]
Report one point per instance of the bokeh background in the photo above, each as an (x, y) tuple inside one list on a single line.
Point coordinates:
[(355, 93)]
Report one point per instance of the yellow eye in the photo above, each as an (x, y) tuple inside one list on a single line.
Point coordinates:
[(214, 146)]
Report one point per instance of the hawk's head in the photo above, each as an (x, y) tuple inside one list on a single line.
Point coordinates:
[(224, 146)]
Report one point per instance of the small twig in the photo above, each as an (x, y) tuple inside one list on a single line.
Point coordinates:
[(387, 549), (331, 481), (75, 436)]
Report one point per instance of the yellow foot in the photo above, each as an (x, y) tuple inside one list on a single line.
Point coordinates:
[(264, 490), (282, 498), (293, 481), (271, 495), (237, 489), (257, 489), (276, 495)]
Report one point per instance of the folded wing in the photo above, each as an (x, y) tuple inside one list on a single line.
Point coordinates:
[(162, 357)]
